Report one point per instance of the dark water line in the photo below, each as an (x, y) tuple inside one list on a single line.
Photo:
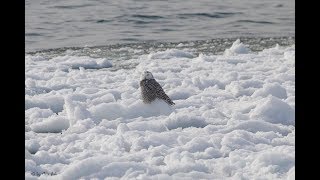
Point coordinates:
[(256, 44)]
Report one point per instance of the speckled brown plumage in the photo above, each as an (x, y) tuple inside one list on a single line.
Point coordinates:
[(151, 90)]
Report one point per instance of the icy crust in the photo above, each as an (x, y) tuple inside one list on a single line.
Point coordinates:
[(237, 48), (234, 117)]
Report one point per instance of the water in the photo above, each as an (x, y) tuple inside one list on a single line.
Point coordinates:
[(79, 23)]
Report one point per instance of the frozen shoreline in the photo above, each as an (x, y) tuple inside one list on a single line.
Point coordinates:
[(233, 118)]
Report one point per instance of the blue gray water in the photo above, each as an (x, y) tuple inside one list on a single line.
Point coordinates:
[(79, 23)]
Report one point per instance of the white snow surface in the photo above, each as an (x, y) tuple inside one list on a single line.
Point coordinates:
[(234, 117)]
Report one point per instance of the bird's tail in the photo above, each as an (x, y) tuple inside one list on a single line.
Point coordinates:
[(169, 101)]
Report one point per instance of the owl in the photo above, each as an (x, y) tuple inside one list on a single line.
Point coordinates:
[(151, 89)]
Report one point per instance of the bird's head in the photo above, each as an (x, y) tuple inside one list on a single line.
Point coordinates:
[(146, 75)]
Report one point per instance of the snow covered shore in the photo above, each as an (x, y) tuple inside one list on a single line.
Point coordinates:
[(234, 116)]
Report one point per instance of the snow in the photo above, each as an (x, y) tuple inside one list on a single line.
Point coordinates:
[(274, 89), (237, 48), (32, 146), (52, 124), (274, 110), (184, 121), (234, 116), (170, 53)]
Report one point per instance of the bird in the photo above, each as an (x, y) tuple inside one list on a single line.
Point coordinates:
[(152, 90)]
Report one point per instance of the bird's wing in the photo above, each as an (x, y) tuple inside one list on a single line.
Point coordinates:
[(154, 87)]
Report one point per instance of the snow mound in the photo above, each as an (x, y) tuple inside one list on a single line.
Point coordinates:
[(82, 168), (115, 110), (51, 125), (75, 62), (274, 110), (170, 53), (147, 126), (32, 146), (205, 58), (36, 114), (184, 121), (237, 48), (277, 161), (181, 93), (53, 102), (257, 126), (76, 110), (274, 89)]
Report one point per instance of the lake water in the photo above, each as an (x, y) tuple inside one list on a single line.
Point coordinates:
[(80, 23)]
